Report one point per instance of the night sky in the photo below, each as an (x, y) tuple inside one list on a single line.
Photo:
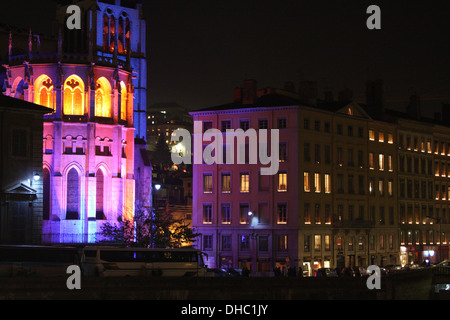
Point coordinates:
[(200, 50)]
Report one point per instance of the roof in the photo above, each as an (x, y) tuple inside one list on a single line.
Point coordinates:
[(14, 103), (269, 100)]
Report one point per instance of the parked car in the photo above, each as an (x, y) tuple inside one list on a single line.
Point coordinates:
[(445, 263), (234, 272)]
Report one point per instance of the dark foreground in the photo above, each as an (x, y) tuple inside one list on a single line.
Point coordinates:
[(412, 285)]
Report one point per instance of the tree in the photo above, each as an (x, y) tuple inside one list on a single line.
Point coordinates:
[(151, 228)]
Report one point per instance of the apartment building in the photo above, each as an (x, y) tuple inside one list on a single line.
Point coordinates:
[(357, 185)]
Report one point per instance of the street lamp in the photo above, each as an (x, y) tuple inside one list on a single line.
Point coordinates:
[(438, 220)]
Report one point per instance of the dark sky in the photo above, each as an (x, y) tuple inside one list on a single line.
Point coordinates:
[(199, 50)]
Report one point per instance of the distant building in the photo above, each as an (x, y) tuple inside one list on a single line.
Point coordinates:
[(357, 184), (21, 175), (163, 119)]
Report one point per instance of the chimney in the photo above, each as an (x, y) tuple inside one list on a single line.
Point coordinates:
[(345, 95), (249, 91), (237, 95), (446, 113), (374, 97), (328, 95), (307, 92), (413, 107), (289, 86)]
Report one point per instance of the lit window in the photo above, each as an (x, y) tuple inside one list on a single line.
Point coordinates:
[(245, 182), (390, 188), (327, 183), (317, 242), (306, 182), (390, 167), (371, 135), (390, 138), (282, 182), (381, 187), (123, 101), (207, 183), (74, 96), (207, 214), (371, 161), (317, 187), (282, 213), (226, 213), (381, 161), (381, 136), (103, 98), (44, 92), (226, 183)]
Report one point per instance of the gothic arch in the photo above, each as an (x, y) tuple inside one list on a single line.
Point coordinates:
[(74, 96), (73, 192), (103, 105), (43, 91)]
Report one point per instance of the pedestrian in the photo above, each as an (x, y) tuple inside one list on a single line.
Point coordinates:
[(300, 272)]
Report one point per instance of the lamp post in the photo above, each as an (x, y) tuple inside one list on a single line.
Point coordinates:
[(254, 236)]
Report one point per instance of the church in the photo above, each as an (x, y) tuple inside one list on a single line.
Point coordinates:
[(94, 80)]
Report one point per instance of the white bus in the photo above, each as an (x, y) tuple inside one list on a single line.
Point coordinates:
[(116, 261)]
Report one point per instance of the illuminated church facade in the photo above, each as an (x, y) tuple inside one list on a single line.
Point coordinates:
[(95, 82)]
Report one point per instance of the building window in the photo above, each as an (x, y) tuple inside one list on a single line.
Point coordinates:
[(103, 106), (226, 213), (244, 124), (244, 243), (207, 242), (226, 242), (381, 162), (226, 124), (306, 213), (306, 182), (371, 161), (109, 32), (207, 183), (124, 34), (207, 214), (390, 138), (245, 182), (100, 189), (243, 214), (73, 195), (282, 242), (74, 96), (282, 152), (317, 242), (381, 136), (44, 92), (226, 183), (123, 101), (327, 183), (371, 135), (317, 186), (282, 123), (281, 213), (263, 124), (282, 182)]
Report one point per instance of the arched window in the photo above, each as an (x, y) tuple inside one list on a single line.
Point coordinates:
[(43, 92), (124, 34), (99, 203), (73, 195), (18, 89), (124, 100), (103, 107), (46, 195), (109, 31), (74, 96)]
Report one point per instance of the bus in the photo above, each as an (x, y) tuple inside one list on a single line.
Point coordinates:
[(23, 260), (118, 261)]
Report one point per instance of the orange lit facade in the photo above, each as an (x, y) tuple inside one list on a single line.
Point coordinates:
[(90, 167)]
